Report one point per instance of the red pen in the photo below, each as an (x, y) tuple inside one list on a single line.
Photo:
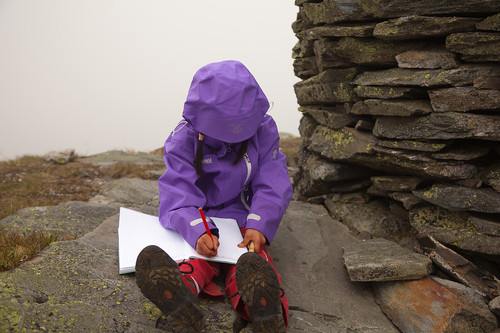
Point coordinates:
[(205, 223)]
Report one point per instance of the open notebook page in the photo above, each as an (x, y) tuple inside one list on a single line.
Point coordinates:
[(137, 230)]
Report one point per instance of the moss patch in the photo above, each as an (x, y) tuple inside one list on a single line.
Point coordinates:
[(61, 290)]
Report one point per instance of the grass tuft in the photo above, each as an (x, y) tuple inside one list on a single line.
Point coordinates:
[(16, 248), (290, 147), (31, 181)]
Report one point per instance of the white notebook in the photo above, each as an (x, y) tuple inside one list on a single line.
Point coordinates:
[(137, 230)]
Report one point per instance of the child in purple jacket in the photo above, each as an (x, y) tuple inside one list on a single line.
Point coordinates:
[(223, 156)]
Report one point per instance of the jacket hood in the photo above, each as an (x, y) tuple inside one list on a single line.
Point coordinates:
[(225, 102)]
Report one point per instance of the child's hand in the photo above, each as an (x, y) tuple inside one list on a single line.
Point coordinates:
[(205, 246), (255, 236)]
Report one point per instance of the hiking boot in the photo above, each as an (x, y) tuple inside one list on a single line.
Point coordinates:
[(259, 288), (160, 280), (239, 324)]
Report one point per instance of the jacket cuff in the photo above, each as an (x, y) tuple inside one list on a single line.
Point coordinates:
[(264, 216)]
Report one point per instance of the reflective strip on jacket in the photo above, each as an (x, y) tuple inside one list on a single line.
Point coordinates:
[(255, 192)]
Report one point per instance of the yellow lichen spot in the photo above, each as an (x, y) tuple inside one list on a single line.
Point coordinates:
[(152, 311), (430, 194)]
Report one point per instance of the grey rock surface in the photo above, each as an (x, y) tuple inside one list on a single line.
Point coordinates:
[(373, 218), (494, 306), (75, 286), (475, 46), (415, 27), (395, 183), (320, 169), (362, 51), (461, 198), (318, 176), (430, 59), (334, 117), (462, 230), (491, 23), (60, 157), (429, 145), (118, 156), (401, 108), (132, 191), (382, 260), (391, 8), (329, 87), (307, 252), (461, 152), (415, 163), (461, 76), (439, 126), (407, 199), (66, 219), (341, 144), (491, 176), (388, 92), (331, 11), (464, 99), (348, 30)]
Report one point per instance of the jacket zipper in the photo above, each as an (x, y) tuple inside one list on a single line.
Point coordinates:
[(249, 167), (249, 172)]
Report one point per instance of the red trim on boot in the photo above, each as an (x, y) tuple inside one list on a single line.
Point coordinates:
[(203, 273), (190, 284)]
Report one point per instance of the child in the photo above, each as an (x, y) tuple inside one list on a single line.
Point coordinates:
[(223, 156)]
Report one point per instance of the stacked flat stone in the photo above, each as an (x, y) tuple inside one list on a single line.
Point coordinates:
[(401, 101)]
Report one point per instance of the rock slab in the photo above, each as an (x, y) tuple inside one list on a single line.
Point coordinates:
[(382, 260), (460, 229), (434, 305)]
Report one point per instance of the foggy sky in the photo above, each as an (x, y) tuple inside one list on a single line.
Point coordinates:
[(96, 75)]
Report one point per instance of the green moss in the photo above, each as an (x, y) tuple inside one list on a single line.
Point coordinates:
[(380, 92), (471, 38), (388, 29), (382, 179), (430, 194), (11, 319), (343, 93), (339, 139), (439, 218), (71, 295), (152, 311)]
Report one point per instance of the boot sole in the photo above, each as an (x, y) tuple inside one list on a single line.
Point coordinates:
[(158, 275), (255, 279)]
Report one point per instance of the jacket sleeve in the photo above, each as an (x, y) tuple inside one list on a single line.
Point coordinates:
[(271, 186), (179, 195)]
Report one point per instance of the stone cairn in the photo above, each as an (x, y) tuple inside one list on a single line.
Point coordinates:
[(401, 106)]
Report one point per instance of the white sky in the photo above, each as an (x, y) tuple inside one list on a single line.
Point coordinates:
[(96, 75)]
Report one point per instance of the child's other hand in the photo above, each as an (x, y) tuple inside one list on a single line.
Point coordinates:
[(255, 236), (205, 246)]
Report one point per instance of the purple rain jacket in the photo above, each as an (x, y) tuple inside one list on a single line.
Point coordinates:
[(257, 190)]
